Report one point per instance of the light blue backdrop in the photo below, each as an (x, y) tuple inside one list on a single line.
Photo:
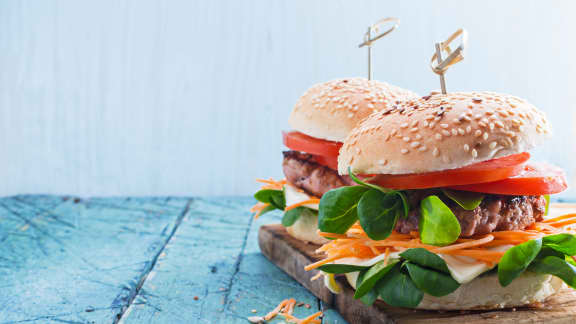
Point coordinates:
[(159, 97)]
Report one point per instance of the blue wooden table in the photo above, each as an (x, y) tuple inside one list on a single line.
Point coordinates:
[(138, 260)]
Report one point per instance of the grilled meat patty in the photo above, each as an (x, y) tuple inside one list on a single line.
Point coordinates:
[(495, 213), (315, 179)]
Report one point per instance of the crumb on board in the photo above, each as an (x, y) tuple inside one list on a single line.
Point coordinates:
[(196, 298)]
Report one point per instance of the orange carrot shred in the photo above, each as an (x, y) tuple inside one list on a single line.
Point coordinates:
[(305, 202)]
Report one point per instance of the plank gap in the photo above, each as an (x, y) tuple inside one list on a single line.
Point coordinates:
[(152, 264), (238, 261)]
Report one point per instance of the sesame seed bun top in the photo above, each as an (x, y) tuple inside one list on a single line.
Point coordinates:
[(441, 132), (330, 110)]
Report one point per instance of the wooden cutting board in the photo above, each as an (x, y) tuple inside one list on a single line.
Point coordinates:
[(292, 255)]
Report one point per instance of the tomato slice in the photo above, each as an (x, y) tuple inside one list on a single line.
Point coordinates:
[(329, 161), (535, 179), (304, 143), (487, 171)]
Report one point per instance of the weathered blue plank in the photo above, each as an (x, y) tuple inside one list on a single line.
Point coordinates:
[(78, 261), (214, 256)]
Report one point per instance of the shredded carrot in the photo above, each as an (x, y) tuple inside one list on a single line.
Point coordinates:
[(305, 202), (555, 219), (276, 310), (272, 184), (355, 242), (322, 262), (464, 245), (258, 208), (310, 318), (286, 309), (563, 223)]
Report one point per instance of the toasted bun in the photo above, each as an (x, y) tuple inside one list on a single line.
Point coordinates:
[(330, 110), (485, 292), (306, 229), (440, 132)]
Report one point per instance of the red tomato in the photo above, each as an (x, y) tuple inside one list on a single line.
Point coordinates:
[(304, 143), (535, 179), (487, 171), (329, 161)]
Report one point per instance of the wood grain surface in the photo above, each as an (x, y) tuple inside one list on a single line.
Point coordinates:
[(292, 255), (138, 260)]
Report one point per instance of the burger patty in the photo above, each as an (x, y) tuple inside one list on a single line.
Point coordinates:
[(495, 213), (315, 179)]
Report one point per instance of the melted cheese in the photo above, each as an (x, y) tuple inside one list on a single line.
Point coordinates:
[(293, 196)]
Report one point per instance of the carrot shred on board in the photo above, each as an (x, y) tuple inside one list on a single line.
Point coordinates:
[(286, 310), (310, 318), (276, 310), (305, 202)]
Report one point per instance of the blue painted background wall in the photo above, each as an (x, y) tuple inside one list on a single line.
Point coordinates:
[(158, 97)]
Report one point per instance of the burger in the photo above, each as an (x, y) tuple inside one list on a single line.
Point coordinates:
[(448, 212), (320, 121)]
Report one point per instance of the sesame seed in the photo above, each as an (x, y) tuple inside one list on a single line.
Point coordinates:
[(491, 126), (417, 136), (493, 145), (405, 125), (382, 162), (414, 130), (499, 124), (445, 132), (393, 132), (468, 129), (446, 159), (461, 131), (482, 124), (474, 153), (478, 117), (485, 136), (438, 136), (423, 148), (425, 124), (466, 147), (414, 123), (432, 124), (444, 126), (478, 133), (435, 151), (350, 115), (415, 144), (404, 151), (454, 132)]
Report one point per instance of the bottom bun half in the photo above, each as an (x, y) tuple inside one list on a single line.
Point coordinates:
[(306, 229), (485, 292)]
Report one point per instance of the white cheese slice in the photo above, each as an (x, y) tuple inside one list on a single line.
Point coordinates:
[(463, 269), (293, 196)]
